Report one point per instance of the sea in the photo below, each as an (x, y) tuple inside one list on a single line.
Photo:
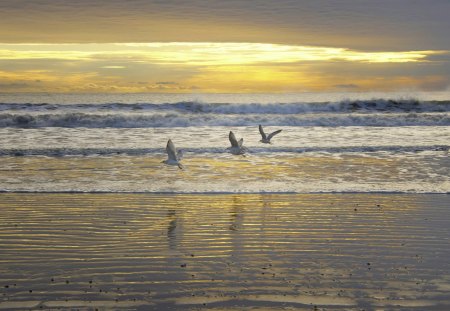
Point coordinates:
[(330, 143)]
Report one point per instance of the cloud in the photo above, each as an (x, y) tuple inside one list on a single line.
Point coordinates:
[(346, 86), (13, 85), (203, 53), (366, 25), (113, 67), (167, 83), (434, 83)]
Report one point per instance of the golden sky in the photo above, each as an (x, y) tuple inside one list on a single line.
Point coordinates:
[(223, 47)]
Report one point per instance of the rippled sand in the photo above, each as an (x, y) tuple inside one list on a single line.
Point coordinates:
[(225, 252)]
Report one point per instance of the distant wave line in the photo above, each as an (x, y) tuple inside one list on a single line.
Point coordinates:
[(380, 105), (59, 152)]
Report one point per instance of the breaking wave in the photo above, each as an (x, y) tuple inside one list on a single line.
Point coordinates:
[(380, 105), (177, 119), (380, 112)]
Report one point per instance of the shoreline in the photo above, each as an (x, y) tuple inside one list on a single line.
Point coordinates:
[(223, 192)]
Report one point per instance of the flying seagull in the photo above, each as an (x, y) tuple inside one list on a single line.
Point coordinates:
[(173, 157), (266, 138), (236, 146)]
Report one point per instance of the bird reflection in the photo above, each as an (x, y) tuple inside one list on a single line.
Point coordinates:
[(171, 229), (236, 215)]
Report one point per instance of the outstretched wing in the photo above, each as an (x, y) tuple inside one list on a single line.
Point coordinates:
[(233, 140), (261, 131), (241, 141), (171, 151), (273, 134), (179, 154)]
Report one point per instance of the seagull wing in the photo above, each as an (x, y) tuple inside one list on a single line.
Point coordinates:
[(179, 154), (171, 151), (233, 140), (261, 131), (273, 134), (241, 141)]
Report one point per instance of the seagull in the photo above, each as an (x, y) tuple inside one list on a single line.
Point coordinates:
[(266, 139), (173, 157), (236, 146)]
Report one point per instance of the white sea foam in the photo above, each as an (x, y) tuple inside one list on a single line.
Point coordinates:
[(386, 105), (180, 119)]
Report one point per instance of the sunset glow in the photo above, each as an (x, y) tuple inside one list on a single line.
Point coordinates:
[(207, 67), (216, 46)]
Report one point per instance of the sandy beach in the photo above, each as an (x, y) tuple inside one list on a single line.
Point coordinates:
[(224, 251)]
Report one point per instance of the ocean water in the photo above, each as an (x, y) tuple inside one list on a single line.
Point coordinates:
[(330, 142)]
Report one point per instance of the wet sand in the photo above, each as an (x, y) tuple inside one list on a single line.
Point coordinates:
[(225, 252)]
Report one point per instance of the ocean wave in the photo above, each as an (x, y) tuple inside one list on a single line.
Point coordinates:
[(379, 105), (177, 119), (60, 152), (195, 107)]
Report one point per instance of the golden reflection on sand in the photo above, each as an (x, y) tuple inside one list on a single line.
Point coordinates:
[(224, 251)]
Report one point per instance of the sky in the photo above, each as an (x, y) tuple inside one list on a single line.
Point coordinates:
[(216, 46)]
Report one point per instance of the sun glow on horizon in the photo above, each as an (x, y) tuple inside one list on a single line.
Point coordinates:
[(206, 53), (206, 66)]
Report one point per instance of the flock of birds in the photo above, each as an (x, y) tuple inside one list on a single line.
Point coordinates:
[(237, 148)]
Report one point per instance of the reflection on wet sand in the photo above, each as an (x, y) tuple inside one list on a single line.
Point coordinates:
[(171, 229), (153, 252)]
